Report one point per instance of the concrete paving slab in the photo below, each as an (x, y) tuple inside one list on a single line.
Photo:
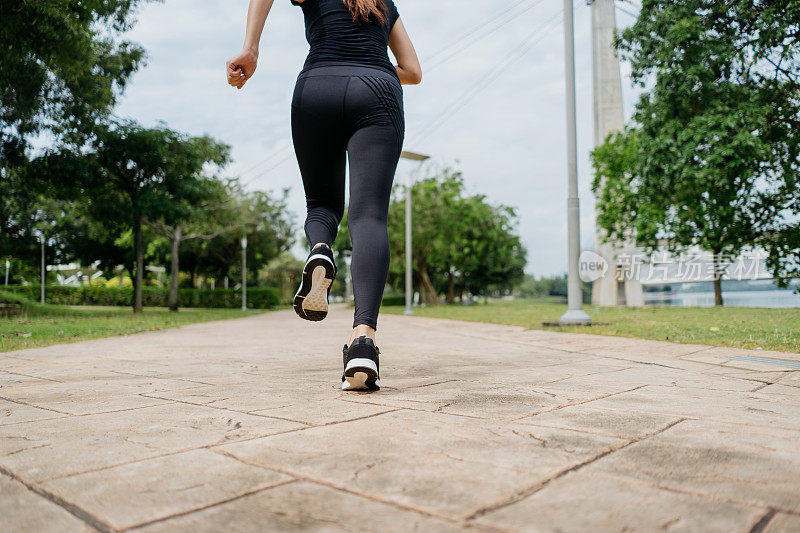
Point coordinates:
[(794, 377), (302, 506), (83, 397), (247, 397), (600, 421), (48, 449), (24, 510), (728, 352), (323, 412), (748, 465), (753, 408), (755, 365), (597, 503), (780, 391), (16, 412), (425, 460), (10, 379), (128, 495), (783, 523), (241, 425), (643, 374), (790, 379), (479, 399), (558, 369)]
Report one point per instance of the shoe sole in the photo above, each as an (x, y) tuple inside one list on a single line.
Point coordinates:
[(361, 374), (311, 300)]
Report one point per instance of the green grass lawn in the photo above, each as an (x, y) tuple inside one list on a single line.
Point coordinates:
[(44, 325), (739, 327)]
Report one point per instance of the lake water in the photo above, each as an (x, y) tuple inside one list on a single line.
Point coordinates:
[(774, 299)]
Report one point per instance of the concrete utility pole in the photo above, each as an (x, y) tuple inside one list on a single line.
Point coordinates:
[(575, 313), (409, 278), (244, 273), (609, 118), (8, 267)]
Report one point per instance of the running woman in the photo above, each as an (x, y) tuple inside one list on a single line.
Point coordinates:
[(347, 105)]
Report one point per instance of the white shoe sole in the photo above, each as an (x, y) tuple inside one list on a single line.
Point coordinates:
[(361, 374), (311, 299)]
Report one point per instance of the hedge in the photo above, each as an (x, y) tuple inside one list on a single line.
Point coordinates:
[(394, 300), (257, 297)]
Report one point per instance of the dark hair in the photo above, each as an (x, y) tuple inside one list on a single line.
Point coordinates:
[(362, 10)]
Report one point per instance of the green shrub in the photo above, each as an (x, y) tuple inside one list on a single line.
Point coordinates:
[(257, 297), (27, 307), (394, 300)]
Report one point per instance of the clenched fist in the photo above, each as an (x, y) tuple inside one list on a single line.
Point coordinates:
[(241, 68)]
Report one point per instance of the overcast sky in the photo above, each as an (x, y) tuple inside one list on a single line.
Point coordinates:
[(509, 139)]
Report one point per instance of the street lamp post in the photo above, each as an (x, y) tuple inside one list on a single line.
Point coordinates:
[(44, 272), (244, 273), (348, 279), (409, 278), (575, 313), (8, 267)]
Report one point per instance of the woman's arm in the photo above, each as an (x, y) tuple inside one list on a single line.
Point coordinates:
[(408, 68), (241, 67)]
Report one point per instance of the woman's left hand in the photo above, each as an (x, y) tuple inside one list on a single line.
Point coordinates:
[(241, 68)]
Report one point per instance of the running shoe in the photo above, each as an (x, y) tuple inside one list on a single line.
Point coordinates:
[(311, 300), (361, 365)]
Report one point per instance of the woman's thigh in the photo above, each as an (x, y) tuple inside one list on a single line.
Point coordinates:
[(373, 154), (319, 137), (375, 108)]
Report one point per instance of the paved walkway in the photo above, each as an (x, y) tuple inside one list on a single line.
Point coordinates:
[(234, 426)]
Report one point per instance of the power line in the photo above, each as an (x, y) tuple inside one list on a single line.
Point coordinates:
[(266, 159), (532, 39), (504, 14), (270, 169), (483, 24), (622, 9), (506, 18), (460, 102)]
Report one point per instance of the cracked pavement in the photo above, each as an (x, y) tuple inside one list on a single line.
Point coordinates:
[(240, 425)]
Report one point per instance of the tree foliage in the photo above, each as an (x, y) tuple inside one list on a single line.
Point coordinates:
[(461, 243), (712, 158), (262, 216), (62, 65), (149, 173), (107, 192)]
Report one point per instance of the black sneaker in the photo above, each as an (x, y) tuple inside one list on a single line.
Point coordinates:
[(311, 300), (361, 365)]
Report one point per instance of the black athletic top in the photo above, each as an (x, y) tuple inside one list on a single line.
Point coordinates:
[(336, 40)]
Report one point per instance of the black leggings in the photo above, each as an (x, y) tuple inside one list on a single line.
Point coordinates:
[(357, 111)]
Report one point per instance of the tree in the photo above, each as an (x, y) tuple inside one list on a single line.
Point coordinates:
[(784, 255), (31, 208), (434, 231), (105, 241), (460, 243), (202, 209), (269, 228), (492, 258), (284, 273), (19, 216), (153, 174), (62, 66), (713, 156)]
